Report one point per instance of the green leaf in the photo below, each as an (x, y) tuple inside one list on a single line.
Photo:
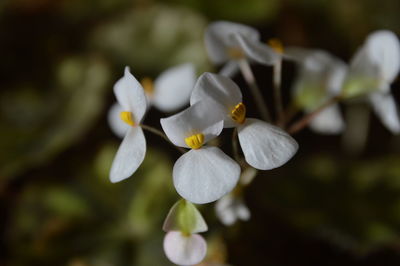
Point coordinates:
[(184, 217)]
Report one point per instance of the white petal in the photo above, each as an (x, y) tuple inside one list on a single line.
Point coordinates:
[(130, 95), (173, 87), (205, 175), (385, 108), (224, 211), (329, 121), (218, 39), (265, 146), (216, 87), (202, 117), (184, 250), (363, 75), (257, 51), (376, 64), (129, 156), (243, 213), (230, 69), (298, 54), (118, 127), (319, 69), (328, 70), (383, 48), (336, 78), (227, 217), (220, 90), (361, 65)]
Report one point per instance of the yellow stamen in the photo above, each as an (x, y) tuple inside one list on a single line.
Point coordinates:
[(235, 53), (127, 117), (276, 44), (238, 113), (195, 141), (148, 85)]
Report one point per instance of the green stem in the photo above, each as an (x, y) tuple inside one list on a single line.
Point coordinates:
[(235, 148), (302, 123), (277, 80), (162, 135)]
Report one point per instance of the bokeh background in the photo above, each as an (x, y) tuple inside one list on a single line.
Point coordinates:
[(335, 203)]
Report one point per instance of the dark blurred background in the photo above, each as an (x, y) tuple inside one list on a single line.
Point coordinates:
[(333, 204)]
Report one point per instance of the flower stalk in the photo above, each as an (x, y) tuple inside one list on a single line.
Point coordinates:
[(277, 81), (159, 133), (302, 123), (255, 90)]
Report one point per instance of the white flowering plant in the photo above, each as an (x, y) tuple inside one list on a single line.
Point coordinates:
[(204, 173)]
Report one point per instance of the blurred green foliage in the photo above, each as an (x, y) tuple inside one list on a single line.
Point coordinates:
[(90, 219), (36, 125), (168, 36), (354, 204)]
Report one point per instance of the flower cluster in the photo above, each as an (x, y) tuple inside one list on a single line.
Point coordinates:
[(204, 173)]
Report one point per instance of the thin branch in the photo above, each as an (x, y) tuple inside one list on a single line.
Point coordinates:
[(299, 125), (162, 135), (255, 90)]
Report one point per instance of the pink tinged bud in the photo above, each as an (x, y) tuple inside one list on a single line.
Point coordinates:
[(184, 249)]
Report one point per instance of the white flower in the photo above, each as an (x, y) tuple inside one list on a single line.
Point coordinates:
[(203, 174), (372, 69), (170, 91), (264, 146), (229, 209), (184, 249), (131, 152), (227, 42), (320, 78)]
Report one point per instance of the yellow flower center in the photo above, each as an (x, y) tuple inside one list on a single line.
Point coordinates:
[(238, 113), (148, 86), (195, 141), (127, 117), (235, 53), (276, 44)]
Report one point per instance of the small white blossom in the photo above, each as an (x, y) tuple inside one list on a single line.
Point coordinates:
[(227, 42), (372, 69), (203, 174), (320, 78), (131, 152), (264, 146), (170, 91), (229, 209)]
